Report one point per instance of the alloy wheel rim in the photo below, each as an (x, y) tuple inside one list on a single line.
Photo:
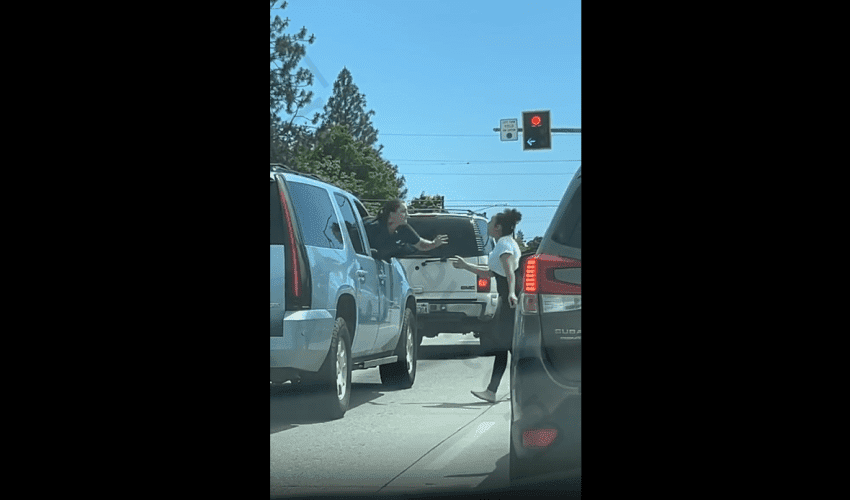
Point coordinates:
[(341, 369), (409, 349)]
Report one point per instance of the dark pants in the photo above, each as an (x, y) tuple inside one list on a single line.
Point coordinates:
[(500, 363), (506, 328)]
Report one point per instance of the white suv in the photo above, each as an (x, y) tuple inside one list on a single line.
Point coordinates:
[(450, 300)]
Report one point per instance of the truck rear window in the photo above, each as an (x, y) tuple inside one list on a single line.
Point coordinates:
[(467, 237)]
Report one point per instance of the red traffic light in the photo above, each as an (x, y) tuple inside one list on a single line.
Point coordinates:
[(536, 131)]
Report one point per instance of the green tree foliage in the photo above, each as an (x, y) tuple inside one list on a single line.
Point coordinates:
[(288, 87), (347, 107), (426, 203), (342, 160), (346, 110), (533, 244), (520, 241), (342, 149)]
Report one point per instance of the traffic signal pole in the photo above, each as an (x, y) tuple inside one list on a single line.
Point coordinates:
[(554, 130), (536, 130)]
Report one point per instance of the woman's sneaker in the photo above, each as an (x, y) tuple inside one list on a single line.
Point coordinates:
[(488, 396)]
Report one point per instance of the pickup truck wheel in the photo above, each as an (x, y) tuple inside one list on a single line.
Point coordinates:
[(402, 373), (334, 378)]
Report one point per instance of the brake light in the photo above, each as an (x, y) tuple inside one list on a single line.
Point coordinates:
[(538, 438), (530, 278), (541, 291), (483, 284), (297, 288), (539, 275)]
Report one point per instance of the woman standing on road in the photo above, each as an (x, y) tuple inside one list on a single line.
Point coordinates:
[(502, 263)]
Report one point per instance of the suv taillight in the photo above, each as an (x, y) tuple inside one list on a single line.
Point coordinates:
[(291, 247), (484, 284), (298, 291), (540, 285)]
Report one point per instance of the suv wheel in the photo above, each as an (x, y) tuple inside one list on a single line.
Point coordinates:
[(334, 378), (402, 373)]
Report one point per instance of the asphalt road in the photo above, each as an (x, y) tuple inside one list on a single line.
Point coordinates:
[(432, 438)]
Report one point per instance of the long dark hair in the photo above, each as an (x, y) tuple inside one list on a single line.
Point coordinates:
[(389, 207), (508, 220)]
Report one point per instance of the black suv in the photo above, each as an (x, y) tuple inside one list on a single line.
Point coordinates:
[(546, 355)]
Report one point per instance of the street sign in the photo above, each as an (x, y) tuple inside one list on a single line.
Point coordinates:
[(508, 129), (536, 130)]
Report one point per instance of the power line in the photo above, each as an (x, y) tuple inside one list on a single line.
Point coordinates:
[(437, 135), (474, 201), (466, 135), (486, 161), (483, 175), (476, 207), (469, 201)]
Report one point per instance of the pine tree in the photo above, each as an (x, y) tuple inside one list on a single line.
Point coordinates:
[(347, 107), (288, 84), (351, 165)]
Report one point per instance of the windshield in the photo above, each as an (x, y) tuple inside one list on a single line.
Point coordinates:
[(467, 236)]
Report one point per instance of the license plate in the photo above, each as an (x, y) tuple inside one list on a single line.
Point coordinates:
[(421, 308)]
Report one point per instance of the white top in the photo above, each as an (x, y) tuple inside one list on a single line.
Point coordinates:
[(506, 244)]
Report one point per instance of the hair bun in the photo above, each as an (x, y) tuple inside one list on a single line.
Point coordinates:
[(514, 215)]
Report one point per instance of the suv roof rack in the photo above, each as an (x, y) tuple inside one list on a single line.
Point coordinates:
[(467, 212), (427, 210), (450, 211), (278, 167)]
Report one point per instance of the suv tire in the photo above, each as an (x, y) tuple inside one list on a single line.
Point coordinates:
[(333, 380), (402, 373)]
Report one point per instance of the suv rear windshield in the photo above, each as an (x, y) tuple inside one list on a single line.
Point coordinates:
[(467, 236), (568, 232)]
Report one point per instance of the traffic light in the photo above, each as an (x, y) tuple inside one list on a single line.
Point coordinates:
[(536, 130)]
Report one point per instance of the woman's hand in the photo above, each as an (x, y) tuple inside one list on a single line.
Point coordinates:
[(426, 246), (512, 299), (459, 263)]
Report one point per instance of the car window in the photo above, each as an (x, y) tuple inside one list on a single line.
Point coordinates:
[(481, 227), (316, 216), (568, 232), (465, 236), (350, 223), (276, 225)]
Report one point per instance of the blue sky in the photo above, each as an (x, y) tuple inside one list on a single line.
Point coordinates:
[(441, 74)]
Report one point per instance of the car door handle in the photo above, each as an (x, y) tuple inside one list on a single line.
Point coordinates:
[(362, 276)]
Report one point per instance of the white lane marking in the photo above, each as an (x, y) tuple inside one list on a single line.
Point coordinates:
[(447, 456)]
